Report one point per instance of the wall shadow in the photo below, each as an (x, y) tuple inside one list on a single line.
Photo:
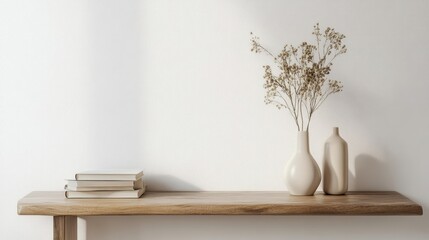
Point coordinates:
[(352, 181), (162, 182), (372, 174), (254, 227)]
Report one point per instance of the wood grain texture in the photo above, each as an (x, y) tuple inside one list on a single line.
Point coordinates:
[(65, 228), (221, 203)]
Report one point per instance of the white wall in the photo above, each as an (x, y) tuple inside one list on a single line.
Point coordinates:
[(172, 87)]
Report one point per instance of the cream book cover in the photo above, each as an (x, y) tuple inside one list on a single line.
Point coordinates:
[(110, 174), (91, 185), (105, 194)]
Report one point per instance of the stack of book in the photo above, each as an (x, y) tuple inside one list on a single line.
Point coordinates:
[(106, 184)]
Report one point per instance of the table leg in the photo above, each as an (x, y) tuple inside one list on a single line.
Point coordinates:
[(65, 228)]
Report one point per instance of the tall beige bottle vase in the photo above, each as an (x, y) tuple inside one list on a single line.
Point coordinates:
[(335, 165), (302, 174)]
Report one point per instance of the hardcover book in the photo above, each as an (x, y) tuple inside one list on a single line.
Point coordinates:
[(103, 185), (105, 194), (106, 175)]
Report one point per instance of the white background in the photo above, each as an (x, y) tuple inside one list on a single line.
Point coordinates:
[(172, 87)]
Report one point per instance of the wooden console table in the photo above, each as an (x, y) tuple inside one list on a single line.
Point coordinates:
[(65, 211)]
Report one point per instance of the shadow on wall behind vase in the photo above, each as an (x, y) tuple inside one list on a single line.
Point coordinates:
[(371, 174)]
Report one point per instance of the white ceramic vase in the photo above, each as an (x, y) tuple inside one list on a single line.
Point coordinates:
[(302, 174), (335, 165)]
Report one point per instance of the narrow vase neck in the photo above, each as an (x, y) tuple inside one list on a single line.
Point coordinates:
[(335, 131), (302, 143)]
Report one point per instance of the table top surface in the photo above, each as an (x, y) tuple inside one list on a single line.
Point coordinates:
[(222, 203)]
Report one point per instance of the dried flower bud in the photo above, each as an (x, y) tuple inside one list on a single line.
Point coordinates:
[(302, 79)]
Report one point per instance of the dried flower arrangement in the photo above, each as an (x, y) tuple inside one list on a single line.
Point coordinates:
[(302, 83)]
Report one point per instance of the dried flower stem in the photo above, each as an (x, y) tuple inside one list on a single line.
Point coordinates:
[(301, 82)]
